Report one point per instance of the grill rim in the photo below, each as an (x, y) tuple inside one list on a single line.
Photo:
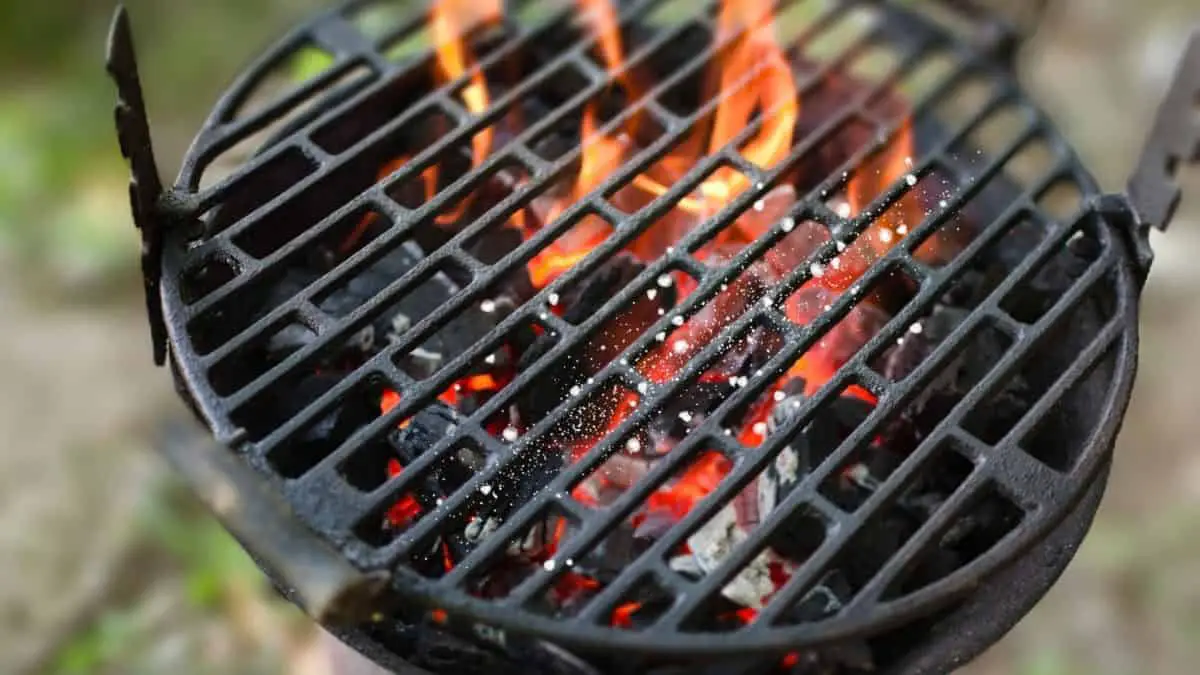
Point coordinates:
[(187, 368), (986, 615)]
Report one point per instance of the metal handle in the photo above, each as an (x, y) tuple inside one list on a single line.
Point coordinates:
[(1153, 191), (145, 186), (315, 576)]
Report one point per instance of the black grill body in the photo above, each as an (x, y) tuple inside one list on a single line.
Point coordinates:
[(239, 266)]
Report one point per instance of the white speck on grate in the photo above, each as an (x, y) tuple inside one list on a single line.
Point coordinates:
[(787, 224), (651, 293), (836, 263), (685, 416), (633, 445), (840, 246), (574, 390), (760, 205), (553, 299), (677, 320), (943, 204), (642, 387), (843, 209), (885, 235), (817, 270), (760, 428), (549, 565), (488, 306), (510, 434), (661, 337), (665, 280), (911, 180), (485, 489), (779, 396), (916, 329), (768, 302), (680, 347)]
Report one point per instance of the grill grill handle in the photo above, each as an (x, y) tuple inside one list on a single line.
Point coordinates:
[(1174, 139), (145, 185), (313, 575)]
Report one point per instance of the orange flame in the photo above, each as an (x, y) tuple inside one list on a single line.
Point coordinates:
[(701, 478), (408, 509), (873, 178), (753, 75), (622, 616), (450, 21)]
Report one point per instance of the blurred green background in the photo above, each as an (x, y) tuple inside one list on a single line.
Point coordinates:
[(109, 567)]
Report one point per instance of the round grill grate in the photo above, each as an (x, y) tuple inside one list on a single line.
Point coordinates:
[(998, 329)]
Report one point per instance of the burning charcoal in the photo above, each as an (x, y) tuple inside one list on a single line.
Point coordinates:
[(715, 541), (428, 427), (815, 442), (495, 243), (1034, 298), (903, 359), (581, 303)]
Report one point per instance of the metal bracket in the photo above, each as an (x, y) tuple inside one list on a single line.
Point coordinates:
[(1153, 192), (145, 186), (317, 577)]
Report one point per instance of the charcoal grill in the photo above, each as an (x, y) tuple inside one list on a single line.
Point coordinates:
[(1044, 280)]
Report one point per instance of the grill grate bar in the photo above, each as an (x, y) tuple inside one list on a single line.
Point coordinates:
[(437, 100), (707, 287), (755, 461), (702, 233), (378, 303), (505, 265), (937, 525), (741, 474), (440, 95), (791, 591)]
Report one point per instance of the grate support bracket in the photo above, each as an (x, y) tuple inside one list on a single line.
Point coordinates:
[(1174, 140)]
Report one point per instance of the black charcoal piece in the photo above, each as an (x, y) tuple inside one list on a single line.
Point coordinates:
[(581, 303)]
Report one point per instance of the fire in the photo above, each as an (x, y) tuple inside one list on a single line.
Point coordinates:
[(404, 512), (752, 80), (753, 75), (450, 21), (892, 165), (701, 478)]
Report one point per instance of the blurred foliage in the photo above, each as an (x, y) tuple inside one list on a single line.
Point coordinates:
[(211, 579), (63, 210), (113, 635), (211, 562)]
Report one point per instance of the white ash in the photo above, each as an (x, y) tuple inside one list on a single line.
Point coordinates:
[(363, 340), (400, 324), (713, 542), (479, 528), (533, 543)]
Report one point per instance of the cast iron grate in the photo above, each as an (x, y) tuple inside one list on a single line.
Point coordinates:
[(1026, 322)]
